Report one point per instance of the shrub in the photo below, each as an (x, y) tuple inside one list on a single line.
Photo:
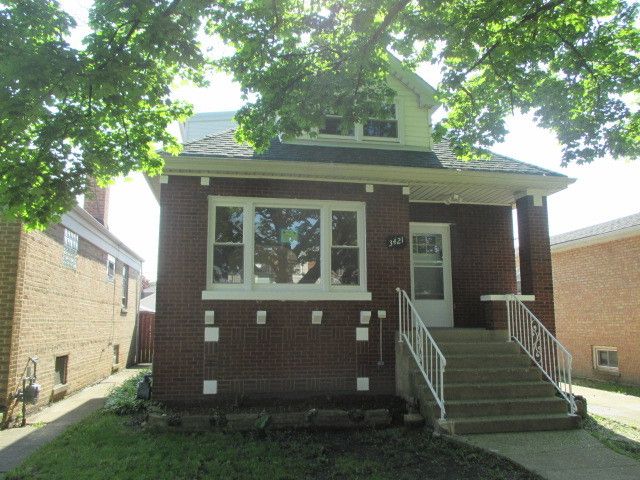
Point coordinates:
[(122, 399)]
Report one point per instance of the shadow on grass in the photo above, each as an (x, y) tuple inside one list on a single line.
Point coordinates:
[(619, 437)]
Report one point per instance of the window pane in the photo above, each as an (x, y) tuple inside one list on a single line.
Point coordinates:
[(603, 358), (228, 225), (381, 128), (345, 266), (613, 358), (287, 245), (227, 263), (428, 283), (333, 126), (344, 227), (428, 248)]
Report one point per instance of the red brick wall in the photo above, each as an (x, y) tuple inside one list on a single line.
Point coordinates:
[(535, 258), (598, 304), (10, 233), (288, 355), (60, 311), (483, 259)]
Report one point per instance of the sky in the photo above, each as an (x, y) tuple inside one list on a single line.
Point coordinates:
[(604, 190)]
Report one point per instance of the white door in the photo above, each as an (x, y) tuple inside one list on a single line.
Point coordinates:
[(431, 273)]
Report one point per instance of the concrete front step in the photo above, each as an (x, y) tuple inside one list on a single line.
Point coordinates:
[(489, 391), (487, 360), (491, 375), (504, 407), (478, 348), (522, 423), (442, 335)]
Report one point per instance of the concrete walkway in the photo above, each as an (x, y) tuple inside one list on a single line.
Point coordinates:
[(617, 406), (562, 455), (42, 427)]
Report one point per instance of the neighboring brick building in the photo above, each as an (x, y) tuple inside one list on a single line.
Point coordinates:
[(596, 275), (278, 270), (69, 296)]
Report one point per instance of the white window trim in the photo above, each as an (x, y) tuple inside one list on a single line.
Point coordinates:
[(396, 139), (251, 291), (596, 362)]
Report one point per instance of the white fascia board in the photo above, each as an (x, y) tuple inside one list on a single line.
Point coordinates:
[(351, 173), (596, 239), (87, 227)]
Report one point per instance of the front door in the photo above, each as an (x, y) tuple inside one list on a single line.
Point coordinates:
[(431, 273)]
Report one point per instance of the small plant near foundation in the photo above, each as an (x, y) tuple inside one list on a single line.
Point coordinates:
[(122, 399)]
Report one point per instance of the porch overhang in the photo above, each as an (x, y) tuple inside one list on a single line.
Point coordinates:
[(437, 185)]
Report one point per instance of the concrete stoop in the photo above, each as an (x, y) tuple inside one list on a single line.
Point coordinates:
[(490, 386)]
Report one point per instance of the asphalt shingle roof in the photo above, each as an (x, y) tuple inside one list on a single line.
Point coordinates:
[(599, 229), (223, 145)]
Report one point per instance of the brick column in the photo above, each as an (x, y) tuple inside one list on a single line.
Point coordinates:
[(535, 257)]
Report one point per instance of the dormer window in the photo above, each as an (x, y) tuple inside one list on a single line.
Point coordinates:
[(333, 126), (386, 127)]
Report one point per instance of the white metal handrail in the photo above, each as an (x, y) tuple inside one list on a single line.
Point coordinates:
[(551, 357), (422, 346)]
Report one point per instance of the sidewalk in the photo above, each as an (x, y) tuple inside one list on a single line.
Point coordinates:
[(561, 455), (617, 406), (18, 443)]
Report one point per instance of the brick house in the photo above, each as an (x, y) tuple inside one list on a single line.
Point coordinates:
[(278, 271), (69, 297), (590, 265)]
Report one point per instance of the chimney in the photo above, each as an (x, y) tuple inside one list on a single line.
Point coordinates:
[(96, 201)]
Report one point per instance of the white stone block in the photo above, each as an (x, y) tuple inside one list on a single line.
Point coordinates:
[(368, 188), (362, 334), (316, 317), (406, 190), (210, 387), (204, 181), (365, 317), (209, 317), (261, 317), (164, 179), (382, 314), (211, 334), (362, 384)]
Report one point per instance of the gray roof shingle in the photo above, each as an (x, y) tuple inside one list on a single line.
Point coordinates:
[(223, 145), (599, 229)]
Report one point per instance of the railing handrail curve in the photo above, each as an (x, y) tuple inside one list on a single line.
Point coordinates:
[(423, 347), (556, 371)]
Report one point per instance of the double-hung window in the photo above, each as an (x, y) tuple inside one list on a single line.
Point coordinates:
[(333, 126), (285, 249), (383, 128), (70, 249)]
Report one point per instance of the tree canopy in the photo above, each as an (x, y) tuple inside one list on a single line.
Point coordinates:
[(67, 113)]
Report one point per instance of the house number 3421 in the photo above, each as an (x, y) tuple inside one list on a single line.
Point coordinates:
[(396, 241)]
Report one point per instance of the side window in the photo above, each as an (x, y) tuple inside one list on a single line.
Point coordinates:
[(111, 268), (125, 286), (228, 245), (60, 370), (333, 126), (70, 249)]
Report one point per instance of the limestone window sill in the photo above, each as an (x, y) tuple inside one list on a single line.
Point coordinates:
[(60, 389)]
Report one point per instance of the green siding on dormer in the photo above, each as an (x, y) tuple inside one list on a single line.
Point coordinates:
[(415, 122)]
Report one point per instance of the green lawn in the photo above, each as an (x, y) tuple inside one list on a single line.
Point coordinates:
[(608, 386), (617, 436), (107, 446)]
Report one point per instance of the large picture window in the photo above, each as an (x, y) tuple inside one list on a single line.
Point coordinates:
[(286, 249)]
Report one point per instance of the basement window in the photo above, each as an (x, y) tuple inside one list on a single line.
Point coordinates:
[(60, 370), (70, 249), (281, 249), (605, 358)]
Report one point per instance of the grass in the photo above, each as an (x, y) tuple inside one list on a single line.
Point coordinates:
[(620, 437), (107, 446), (608, 386), (111, 444)]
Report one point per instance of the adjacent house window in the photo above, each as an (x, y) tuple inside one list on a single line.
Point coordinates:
[(70, 249), (125, 286), (285, 249), (385, 127), (605, 358), (333, 126), (60, 372), (111, 268)]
